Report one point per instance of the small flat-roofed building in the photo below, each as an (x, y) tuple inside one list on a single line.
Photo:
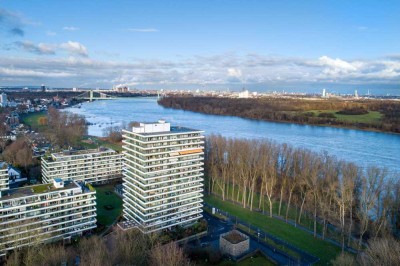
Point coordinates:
[(45, 213), (92, 166), (163, 175)]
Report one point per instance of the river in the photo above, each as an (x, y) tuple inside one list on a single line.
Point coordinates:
[(362, 147)]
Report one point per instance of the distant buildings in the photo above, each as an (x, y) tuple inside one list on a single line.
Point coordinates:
[(46, 212), (163, 175), (121, 89), (3, 100), (244, 94), (92, 166)]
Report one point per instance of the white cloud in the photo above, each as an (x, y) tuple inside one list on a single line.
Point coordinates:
[(75, 48), (143, 30), (32, 73), (336, 66), (71, 28), (41, 48), (234, 72)]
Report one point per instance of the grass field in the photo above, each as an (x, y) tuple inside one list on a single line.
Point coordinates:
[(105, 195), (303, 240), (371, 118), (32, 120)]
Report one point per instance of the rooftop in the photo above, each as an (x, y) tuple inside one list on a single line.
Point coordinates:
[(36, 190), (67, 153), (158, 128)]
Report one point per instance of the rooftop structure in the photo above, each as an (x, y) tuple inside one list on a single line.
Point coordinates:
[(45, 213), (162, 174), (93, 166)]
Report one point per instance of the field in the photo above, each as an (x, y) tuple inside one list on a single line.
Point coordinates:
[(32, 120), (303, 240), (105, 196), (370, 118)]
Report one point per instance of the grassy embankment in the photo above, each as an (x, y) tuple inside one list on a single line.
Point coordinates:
[(105, 196), (297, 237)]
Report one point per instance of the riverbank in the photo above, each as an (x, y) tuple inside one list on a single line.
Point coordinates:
[(369, 115)]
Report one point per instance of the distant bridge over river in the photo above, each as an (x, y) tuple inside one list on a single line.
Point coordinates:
[(95, 95)]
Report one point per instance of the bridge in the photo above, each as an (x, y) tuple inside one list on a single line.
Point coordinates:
[(94, 95)]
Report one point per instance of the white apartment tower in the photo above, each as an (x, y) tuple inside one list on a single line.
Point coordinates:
[(92, 166), (162, 175), (45, 213), (4, 178)]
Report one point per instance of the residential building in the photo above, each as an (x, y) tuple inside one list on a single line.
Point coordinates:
[(92, 166), (162, 175), (3, 100), (4, 178), (45, 213)]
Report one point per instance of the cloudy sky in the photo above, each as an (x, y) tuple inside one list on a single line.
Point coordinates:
[(180, 44)]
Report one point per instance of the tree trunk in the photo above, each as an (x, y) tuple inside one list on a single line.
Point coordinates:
[(301, 208), (288, 205), (280, 202)]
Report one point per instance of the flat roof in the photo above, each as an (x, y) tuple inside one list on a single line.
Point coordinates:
[(80, 152), (174, 129), (35, 190)]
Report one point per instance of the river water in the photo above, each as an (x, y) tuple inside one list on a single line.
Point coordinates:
[(362, 147)]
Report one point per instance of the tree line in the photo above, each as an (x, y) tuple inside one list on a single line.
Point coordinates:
[(294, 110), (359, 204), (119, 248)]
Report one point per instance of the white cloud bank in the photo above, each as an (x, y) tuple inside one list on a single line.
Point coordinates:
[(222, 69)]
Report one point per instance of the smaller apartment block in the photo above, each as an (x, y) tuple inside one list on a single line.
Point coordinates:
[(92, 166), (45, 213)]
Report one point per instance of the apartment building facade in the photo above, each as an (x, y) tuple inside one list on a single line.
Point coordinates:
[(162, 175), (45, 213), (92, 166), (4, 178)]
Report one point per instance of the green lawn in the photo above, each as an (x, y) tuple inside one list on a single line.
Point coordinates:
[(303, 240), (32, 120), (371, 118), (105, 195)]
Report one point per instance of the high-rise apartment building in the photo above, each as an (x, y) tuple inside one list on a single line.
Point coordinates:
[(45, 213), (4, 178), (162, 175), (92, 166)]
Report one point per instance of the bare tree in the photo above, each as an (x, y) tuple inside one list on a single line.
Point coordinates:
[(383, 251), (168, 255)]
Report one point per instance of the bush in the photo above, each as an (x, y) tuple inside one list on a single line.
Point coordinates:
[(353, 111), (327, 115)]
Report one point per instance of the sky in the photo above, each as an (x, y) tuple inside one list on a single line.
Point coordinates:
[(200, 44)]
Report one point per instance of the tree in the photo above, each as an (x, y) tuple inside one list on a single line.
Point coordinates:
[(168, 255), (381, 251), (93, 252), (19, 153)]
